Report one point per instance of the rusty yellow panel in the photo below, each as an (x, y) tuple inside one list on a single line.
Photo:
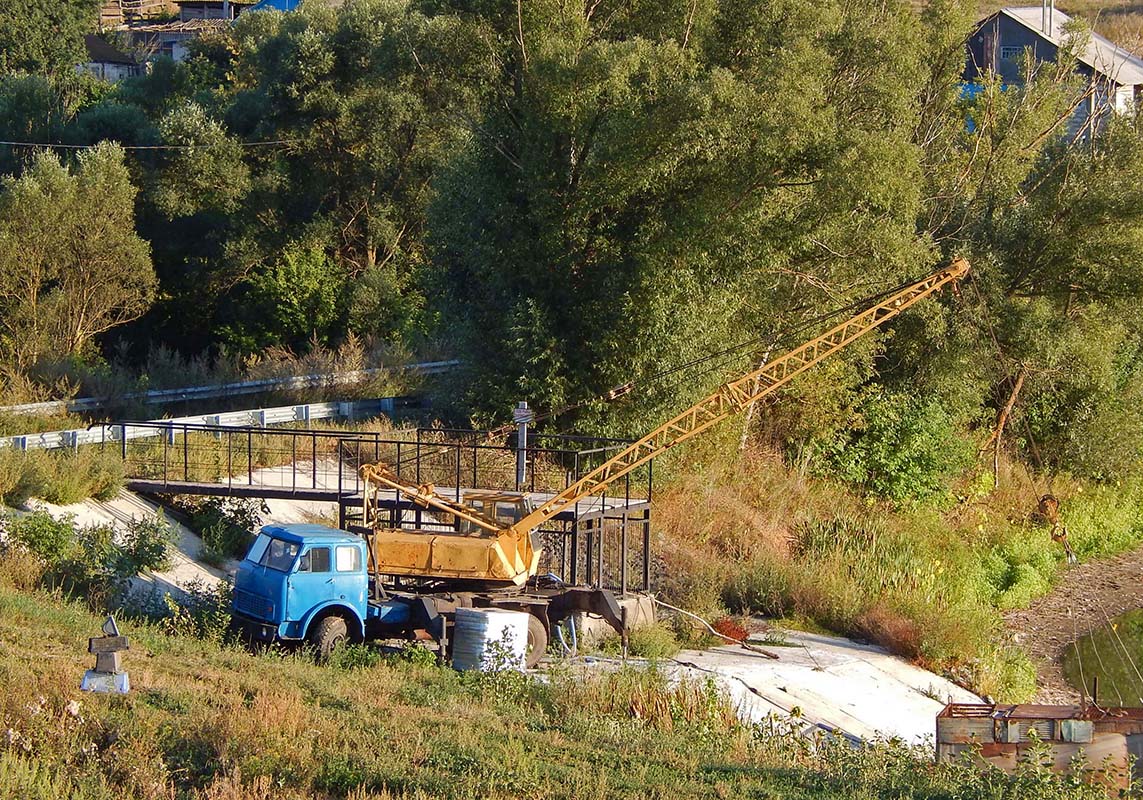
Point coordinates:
[(448, 555), (963, 730)]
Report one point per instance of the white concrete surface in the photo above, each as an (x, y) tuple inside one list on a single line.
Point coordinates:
[(830, 683), (185, 551)]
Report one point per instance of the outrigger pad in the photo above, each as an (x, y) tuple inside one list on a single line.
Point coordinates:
[(600, 602)]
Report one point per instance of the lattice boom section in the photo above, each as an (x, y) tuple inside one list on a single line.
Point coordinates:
[(737, 394)]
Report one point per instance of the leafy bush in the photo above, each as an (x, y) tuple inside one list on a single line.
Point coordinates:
[(94, 561), (227, 525), (1005, 674), (905, 448), (144, 545), (17, 481), (759, 587), (349, 657), (653, 642), (201, 611), (50, 539)]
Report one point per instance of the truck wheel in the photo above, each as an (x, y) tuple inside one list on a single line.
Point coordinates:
[(327, 635), (537, 641)]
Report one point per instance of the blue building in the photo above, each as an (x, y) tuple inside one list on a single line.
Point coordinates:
[(997, 46), (277, 5)]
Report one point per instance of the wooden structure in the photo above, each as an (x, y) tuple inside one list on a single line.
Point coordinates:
[(114, 13), (1001, 41), (1107, 739)]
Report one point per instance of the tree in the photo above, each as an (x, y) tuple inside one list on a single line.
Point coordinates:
[(657, 181), (44, 36), (71, 265)]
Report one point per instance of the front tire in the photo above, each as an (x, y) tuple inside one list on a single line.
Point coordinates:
[(537, 641), (327, 636)]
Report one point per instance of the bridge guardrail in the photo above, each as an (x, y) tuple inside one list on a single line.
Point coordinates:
[(261, 417), (162, 396)]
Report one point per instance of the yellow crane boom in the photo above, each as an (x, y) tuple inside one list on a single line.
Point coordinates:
[(732, 397), (492, 550)]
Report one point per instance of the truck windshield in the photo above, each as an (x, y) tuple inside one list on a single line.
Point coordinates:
[(279, 555)]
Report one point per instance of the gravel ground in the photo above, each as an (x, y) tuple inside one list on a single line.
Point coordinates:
[(1086, 597)]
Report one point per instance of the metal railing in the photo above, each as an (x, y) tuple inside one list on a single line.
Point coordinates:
[(603, 541), (239, 389), (260, 417)]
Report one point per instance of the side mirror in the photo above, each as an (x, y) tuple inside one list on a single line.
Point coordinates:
[(303, 563)]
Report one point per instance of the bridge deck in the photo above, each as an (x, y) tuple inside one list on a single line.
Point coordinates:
[(587, 509)]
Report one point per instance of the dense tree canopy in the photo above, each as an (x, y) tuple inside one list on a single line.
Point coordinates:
[(573, 197), (44, 35), (71, 264)]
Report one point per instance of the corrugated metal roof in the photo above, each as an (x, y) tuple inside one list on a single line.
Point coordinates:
[(1101, 54), (185, 26)]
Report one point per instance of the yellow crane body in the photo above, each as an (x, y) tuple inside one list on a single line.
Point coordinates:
[(500, 547)]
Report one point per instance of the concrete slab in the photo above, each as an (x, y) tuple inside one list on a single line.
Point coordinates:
[(185, 552), (831, 683), (640, 613)]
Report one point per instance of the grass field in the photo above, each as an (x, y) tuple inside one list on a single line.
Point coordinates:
[(928, 581), (206, 721)]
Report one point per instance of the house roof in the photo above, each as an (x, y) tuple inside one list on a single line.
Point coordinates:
[(189, 26), (1101, 54), (100, 52)]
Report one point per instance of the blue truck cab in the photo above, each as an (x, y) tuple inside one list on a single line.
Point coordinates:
[(311, 583), (297, 576)]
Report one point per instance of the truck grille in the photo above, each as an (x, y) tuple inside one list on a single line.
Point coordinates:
[(252, 604)]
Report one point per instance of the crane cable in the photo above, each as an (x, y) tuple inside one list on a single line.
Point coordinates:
[(722, 359)]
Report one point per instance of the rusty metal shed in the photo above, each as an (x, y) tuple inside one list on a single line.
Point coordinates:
[(1107, 739)]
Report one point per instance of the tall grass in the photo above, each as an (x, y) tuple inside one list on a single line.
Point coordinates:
[(62, 477), (208, 721), (928, 582)]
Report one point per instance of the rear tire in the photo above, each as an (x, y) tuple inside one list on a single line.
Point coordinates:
[(327, 635), (537, 641)]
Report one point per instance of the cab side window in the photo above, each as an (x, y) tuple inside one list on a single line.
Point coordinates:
[(348, 558), (315, 560)]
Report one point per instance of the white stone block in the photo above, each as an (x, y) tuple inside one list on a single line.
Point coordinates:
[(105, 683)]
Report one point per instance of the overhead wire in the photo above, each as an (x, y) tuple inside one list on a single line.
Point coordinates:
[(1103, 667), (1079, 655), (62, 146), (1126, 652)]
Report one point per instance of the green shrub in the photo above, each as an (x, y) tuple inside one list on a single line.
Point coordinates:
[(227, 526), (201, 611), (905, 449), (760, 587), (51, 539), (20, 475), (349, 657), (1006, 674), (144, 545), (74, 476), (652, 642)]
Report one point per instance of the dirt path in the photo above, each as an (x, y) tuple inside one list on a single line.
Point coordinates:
[(1084, 599)]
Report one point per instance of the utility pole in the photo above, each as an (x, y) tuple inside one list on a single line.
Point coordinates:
[(522, 416)]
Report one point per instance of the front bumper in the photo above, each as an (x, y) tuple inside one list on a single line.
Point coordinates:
[(252, 629)]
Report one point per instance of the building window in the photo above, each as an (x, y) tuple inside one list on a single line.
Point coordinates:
[(1011, 53)]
